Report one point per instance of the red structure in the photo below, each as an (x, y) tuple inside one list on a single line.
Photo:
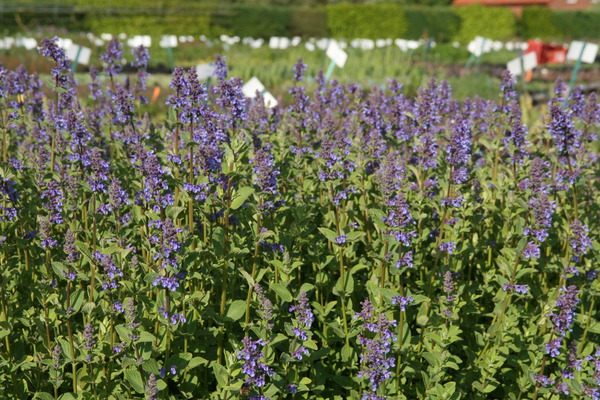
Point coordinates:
[(516, 6), (547, 53)]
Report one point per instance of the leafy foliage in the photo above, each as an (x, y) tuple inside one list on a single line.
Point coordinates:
[(366, 20), (497, 23), (353, 243)]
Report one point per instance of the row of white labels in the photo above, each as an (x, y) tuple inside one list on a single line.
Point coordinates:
[(478, 45)]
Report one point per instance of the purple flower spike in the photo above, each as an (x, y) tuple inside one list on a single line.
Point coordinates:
[(402, 301), (448, 247)]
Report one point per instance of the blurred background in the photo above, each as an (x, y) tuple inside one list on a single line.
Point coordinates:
[(409, 40)]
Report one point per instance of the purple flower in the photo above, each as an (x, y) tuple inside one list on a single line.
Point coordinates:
[(448, 247), (299, 70), (118, 349), (402, 301), (567, 302), (514, 140), (580, 242), (265, 171), (522, 289), (567, 139), (303, 321), (220, 67), (151, 388), (88, 339), (562, 388), (56, 353), (532, 250), (254, 367), (553, 347), (112, 57), (507, 86), (375, 361), (265, 306), (459, 149), (341, 239), (405, 260)]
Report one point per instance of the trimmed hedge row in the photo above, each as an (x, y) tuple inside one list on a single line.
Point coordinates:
[(342, 20)]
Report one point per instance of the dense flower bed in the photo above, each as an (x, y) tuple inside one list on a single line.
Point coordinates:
[(354, 244)]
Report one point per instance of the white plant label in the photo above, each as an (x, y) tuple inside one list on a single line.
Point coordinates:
[(84, 54), (528, 63), (336, 54), (168, 41), (589, 53), (253, 86), (479, 46), (274, 42), (205, 71)]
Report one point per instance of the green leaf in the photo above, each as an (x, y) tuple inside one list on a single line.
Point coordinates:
[(85, 250), (194, 362), (43, 396), (146, 337), (66, 348), (134, 378), (151, 366), (347, 286), (282, 292), (236, 310), (60, 269), (221, 374), (77, 300), (241, 196), (329, 234)]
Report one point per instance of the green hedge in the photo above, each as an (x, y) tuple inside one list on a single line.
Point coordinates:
[(538, 23), (255, 21), (577, 24), (496, 23), (440, 23), (149, 24), (369, 21), (309, 22)]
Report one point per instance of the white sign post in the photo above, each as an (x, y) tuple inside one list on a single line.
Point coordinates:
[(337, 56), (79, 55), (581, 52), (254, 86), (168, 42), (477, 47), (522, 64)]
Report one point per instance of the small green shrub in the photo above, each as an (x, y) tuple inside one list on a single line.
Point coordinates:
[(309, 22), (538, 22), (255, 21), (496, 23), (369, 21), (440, 23), (577, 24)]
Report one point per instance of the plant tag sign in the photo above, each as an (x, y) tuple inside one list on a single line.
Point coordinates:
[(589, 52), (168, 41), (205, 71), (65, 43), (253, 86), (336, 54), (140, 40), (527, 62), (284, 43), (29, 43), (84, 54), (274, 42), (479, 46)]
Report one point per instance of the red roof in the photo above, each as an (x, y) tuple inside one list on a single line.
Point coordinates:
[(500, 2)]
